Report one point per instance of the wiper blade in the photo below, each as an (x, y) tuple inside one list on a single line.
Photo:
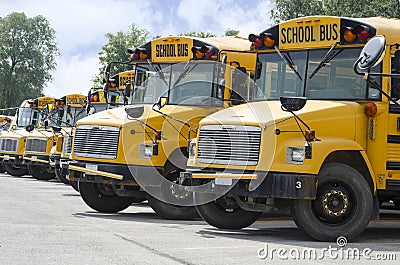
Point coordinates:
[(327, 58), (158, 71), (187, 69), (288, 60)]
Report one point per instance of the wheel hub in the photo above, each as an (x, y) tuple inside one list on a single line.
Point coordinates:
[(335, 203), (178, 191)]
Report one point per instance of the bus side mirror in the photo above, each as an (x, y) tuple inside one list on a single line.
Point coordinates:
[(3, 124), (135, 112), (372, 54), (127, 90), (29, 127), (291, 104), (162, 101)]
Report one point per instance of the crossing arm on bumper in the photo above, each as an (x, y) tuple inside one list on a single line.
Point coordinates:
[(95, 172)]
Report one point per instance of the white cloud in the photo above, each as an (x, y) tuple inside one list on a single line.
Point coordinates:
[(73, 75), (81, 27)]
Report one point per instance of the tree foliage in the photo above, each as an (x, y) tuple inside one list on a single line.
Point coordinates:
[(28, 52), (116, 50), (231, 32), (289, 9), (201, 34)]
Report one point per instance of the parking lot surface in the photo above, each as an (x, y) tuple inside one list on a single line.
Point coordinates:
[(46, 222)]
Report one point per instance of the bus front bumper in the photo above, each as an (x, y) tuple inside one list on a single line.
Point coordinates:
[(255, 184), (117, 174)]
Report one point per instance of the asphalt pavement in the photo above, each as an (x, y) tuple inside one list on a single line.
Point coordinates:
[(46, 222)]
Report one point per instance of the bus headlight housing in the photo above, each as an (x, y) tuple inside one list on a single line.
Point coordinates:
[(295, 155), (192, 149), (146, 151)]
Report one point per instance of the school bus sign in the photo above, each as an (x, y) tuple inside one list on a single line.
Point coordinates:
[(311, 32), (175, 49)]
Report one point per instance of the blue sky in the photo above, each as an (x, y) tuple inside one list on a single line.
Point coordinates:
[(81, 26)]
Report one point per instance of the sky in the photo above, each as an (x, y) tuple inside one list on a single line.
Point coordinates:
[(81, 26)]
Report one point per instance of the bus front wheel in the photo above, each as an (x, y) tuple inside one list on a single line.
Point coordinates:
[(40, 172), (14, 170), (171, 211), (224, 213), (342, 207), (100, 198)]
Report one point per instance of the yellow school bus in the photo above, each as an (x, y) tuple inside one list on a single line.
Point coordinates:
[(41, 142), (12, 142), (325, 143), (123, 155), (5, 122)]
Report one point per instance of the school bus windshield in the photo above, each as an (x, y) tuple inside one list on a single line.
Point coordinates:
[(145, 90), (69, 118), (190, 83), (307, 76), (27, 116)]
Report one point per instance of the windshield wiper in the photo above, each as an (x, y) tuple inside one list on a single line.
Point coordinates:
[(187, 69), (288, 60), (327, 58), (158, 70)]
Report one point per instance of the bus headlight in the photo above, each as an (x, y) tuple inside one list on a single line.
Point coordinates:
[(295, 155), (146, 151), (192, 149)]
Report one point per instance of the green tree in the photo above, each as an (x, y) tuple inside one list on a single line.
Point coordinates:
[(28, 52), (289, 9), (231, 32), (201, 34), (116, 50), (362, 8)]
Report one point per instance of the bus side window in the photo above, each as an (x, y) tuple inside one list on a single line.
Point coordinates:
[(395, 82)]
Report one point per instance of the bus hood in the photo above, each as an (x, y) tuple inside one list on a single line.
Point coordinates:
[(18, 133), (333, 118), (117, 117)]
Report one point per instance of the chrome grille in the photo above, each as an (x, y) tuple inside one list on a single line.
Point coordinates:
[(9, 145), (35, 145), (96, 141), (229, 144), (67, 145)]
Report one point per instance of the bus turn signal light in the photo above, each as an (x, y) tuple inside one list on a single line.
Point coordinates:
[(370, 109), (203, 52), (138, 53), (262, 40)]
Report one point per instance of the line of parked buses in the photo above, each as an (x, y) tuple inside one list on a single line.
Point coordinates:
[(302, 118)]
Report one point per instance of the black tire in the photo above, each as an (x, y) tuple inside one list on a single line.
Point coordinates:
[(75, 185), (138, 200), (225, 215), (343, 205), (170, 211), (14, 170), (41, 172), (174, 197), (2, 170), (97, 198), (61, 175)]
